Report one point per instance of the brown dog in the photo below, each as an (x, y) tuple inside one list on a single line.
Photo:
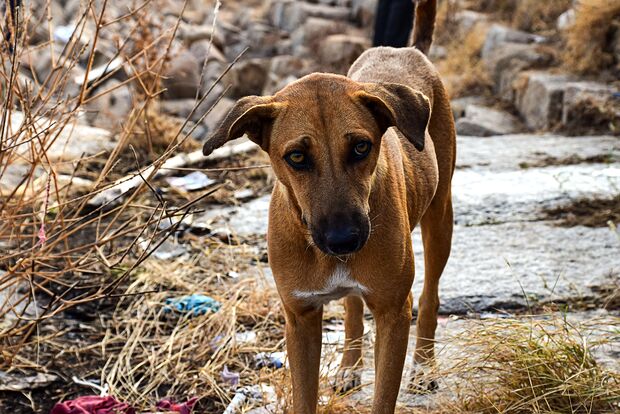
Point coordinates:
[(349, 191)]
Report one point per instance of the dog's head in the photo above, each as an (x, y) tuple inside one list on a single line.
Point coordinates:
[(323, 135)]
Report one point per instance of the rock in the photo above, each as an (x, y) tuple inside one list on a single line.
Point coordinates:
[(340, 51), (216, 90), (516, 259), (498, 35), (182, 76), (217, 114), (540, 102), (437, 52), (201, 48), (283, 14), (111, 108), (15, 382), (178, 107), (525, 151), (284, 70), (505, 63), (483, 122), (259, 39), (338, 3), (276, 84), (182, 108), (190, 33), (363, 11), (558, 100), (466, 20), (591, 107), (306, 38), (288, 14), (248, 77), (71, 141), (326, 12), (458, 105)]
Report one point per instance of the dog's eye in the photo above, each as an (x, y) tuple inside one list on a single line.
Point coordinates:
[(297, 160), (361, 150)]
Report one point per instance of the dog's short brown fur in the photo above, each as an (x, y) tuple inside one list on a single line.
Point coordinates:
[(377, 153)]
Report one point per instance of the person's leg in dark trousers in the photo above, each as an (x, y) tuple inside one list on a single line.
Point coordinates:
[(393, 23)]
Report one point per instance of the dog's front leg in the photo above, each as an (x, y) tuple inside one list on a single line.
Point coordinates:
[(303, 344), (390, 352)]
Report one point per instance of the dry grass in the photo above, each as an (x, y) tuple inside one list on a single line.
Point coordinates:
[(502, 9), (538, 16), (462, 70), (59, 252), (528, 15), (536, 365), (588, 40)]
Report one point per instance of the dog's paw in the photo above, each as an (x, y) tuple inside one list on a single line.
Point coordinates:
[(347, 379), (422, 381)]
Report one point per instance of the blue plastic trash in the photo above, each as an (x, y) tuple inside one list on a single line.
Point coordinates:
[(196, 304)]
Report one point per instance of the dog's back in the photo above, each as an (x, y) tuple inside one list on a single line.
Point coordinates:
[(411, 67)]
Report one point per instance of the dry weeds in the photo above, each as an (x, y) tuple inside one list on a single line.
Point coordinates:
[(528, 15), (537, 365), (462, 70), (588, 40)]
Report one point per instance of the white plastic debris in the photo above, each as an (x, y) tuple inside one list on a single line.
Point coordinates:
[(191, 182), (100, 71), (246, 337)]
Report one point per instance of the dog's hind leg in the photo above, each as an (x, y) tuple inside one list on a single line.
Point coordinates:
[(437, 239), (348, 374)]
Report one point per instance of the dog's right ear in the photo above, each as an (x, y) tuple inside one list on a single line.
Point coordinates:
[(251, 115)]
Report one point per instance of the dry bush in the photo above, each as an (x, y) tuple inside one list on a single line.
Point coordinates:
[(528, 15), (462, 70), (446, 21), (58, 251), (588, 41), (536, 15), (536, 365), (502, 9)]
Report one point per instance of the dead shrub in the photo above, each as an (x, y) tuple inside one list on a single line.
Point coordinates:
[(462, 70), (532, 365), (502, 9), (589, 40), (528, 15), (536, 16), (446, 21)]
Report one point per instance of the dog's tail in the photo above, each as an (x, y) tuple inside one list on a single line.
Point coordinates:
[(425, 11)]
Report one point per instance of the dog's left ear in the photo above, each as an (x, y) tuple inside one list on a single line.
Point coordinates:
[(251, 115), (393, 104)]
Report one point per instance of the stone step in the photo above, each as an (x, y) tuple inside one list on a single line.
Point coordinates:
[(498, 266), (515, 152)]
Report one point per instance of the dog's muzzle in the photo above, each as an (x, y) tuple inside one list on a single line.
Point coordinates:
[(341, 234)]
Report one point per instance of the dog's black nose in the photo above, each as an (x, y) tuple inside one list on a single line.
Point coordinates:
[(342, 241)]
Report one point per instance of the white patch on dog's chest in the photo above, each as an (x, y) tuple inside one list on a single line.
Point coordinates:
[(339, 284)]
